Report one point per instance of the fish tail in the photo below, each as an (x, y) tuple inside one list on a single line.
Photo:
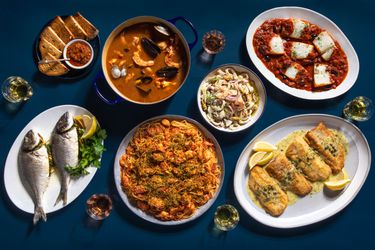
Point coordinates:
[(39, 213), (63, 196)]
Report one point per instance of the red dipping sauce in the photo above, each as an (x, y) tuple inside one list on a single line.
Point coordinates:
[(79, 53)]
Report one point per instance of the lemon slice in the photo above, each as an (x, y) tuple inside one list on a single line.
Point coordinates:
[(255, 158), (266, 158), (264, 147), (336, 185), (90, 125), (260, 158), (346, 176), (78, 119)]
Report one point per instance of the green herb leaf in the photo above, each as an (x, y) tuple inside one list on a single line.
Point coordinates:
[(91, 150)]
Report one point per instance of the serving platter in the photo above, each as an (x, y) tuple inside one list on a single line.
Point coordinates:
[(321, 21), (319, 206), (117, 172), (45, 123), (73, 73)]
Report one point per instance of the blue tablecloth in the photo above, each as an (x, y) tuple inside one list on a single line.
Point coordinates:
[(20, 24)]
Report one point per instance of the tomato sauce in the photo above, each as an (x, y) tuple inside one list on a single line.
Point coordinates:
[(337, 65), (79, 53)]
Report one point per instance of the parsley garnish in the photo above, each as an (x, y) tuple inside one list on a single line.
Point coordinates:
[(90, 151)]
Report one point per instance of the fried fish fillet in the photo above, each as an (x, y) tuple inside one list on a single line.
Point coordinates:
[(267, 191), (328, 145), (289, 177), (305, 159)]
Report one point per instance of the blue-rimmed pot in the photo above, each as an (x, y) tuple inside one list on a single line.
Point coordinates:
[(169, 24)]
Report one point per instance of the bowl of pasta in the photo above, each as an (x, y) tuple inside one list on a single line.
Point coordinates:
[(231, 98), (169, 170)]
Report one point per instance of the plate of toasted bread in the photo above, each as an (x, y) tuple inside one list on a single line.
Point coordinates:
[(55, 36)]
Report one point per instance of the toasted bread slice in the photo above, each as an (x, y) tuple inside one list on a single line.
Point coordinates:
[(46, 47), (90, 29), (61, 30), (75, 28), (50, 35), (53, 68)]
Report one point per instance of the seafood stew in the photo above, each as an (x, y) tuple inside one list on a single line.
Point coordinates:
[(146, 65)]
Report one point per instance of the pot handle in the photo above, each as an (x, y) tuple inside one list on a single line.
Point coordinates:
[(174, 20), (98, 77)]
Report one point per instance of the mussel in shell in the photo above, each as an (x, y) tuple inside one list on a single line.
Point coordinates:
[(143, 80), (162, 30), (143, 84), (167, 72), (151, 48)]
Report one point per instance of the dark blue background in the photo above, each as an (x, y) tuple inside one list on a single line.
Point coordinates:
[(20, 24)]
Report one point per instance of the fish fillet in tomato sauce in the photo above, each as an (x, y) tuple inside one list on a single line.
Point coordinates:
[(297, 72)]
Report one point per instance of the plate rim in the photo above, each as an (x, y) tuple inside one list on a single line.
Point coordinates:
[(140, 213), (282, 222), (93, 172), (301, 94)]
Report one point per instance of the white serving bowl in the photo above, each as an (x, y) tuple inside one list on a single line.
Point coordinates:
[(66, 49), (258, 85)]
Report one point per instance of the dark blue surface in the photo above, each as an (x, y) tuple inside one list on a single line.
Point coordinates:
[(68, 228)]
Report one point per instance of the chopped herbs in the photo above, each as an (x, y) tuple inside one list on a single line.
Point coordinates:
[(90, 152)]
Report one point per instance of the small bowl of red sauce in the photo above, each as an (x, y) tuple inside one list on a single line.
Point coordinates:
[(79, 52)]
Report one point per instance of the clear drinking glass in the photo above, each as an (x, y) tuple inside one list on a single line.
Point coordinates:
[(99, 206), (16, 89), (213, 42), (359, 109), (226, 217)]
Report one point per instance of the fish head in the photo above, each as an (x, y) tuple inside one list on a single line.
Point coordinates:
[(31, 140), (65, 123)]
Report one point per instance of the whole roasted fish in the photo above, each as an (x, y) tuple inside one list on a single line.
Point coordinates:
[(65, 149), (34, 168)]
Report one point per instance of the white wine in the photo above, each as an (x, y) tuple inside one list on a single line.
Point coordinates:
[(16, 89), (226, 217), (359, 109)]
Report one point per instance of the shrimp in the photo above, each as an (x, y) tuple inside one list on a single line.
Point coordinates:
[(169, 58), (140, 62)]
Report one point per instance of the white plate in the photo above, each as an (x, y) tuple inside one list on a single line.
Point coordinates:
[(324, 23), (317, 207), (44, 123), (258, 85), (139, 212)]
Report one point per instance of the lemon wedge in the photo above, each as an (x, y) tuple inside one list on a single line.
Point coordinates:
[(336, 185), (266, 158), (262, 146), (89, 123), (78, 119), (260, 158), (255, 158)]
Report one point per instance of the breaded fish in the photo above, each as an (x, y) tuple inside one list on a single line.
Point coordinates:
[(267, 191), (283, 170), (305, 159), (328, 145)]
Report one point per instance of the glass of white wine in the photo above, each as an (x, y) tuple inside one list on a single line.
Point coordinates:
[(15, 89), (226, 217), (359, 109)]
